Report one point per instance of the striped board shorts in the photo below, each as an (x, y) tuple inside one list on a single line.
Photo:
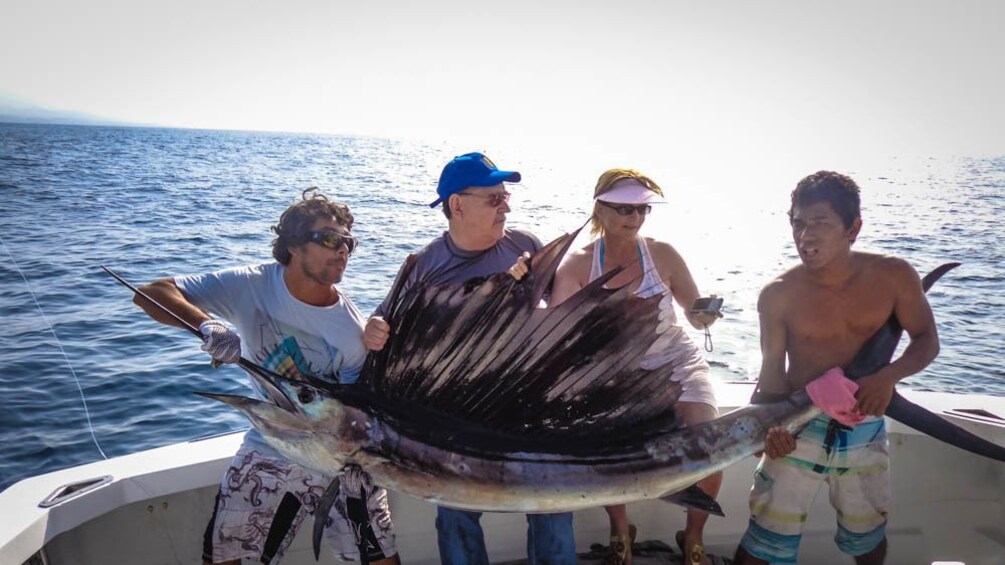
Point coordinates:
[(855, 466), (264, 499)]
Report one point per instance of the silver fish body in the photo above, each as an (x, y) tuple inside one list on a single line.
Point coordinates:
[(328, 435)]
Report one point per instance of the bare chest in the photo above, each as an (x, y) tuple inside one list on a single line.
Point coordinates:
[(826, 329)]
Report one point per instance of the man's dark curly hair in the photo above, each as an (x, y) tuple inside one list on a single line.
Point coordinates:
[(827, 186), (297, 220)]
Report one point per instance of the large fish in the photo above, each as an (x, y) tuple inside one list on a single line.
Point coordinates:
[(483, 401)]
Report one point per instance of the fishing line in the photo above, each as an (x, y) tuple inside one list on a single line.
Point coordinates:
[(172, 543), (83, 400)]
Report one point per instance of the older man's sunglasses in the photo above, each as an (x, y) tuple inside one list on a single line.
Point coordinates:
[(627, 209), (493, 199), (333, 240)]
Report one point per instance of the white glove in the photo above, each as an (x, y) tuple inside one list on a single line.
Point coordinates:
[(221, 342)]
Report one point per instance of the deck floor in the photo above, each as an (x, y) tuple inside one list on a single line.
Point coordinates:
[(649, 552)]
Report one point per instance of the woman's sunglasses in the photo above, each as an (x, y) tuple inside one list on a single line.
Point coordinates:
[(627, 209), (493, 199), (333, 240)]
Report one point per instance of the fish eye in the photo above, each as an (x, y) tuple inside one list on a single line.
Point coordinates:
[(305, 395)]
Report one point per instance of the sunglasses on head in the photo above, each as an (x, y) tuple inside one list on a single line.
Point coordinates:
[(493, 199), (627, 209), (333, 240)]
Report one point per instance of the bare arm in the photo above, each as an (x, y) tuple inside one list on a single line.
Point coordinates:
[(682, 284), (778, 442), (567, 280), (165, 292), (915, 315), (771, 378)]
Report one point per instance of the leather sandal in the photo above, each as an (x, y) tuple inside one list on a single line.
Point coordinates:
[(621, 547), (695, 555)]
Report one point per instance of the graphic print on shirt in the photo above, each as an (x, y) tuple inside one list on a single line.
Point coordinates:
[(289, 351)]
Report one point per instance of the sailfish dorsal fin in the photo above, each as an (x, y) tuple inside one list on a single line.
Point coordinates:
[(482, 355)]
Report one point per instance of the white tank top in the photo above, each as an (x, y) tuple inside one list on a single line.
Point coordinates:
[(673, 343)]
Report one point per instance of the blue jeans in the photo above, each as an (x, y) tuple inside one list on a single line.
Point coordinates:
[(459, 535)]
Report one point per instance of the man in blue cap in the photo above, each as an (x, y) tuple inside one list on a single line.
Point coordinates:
[(477, 243)]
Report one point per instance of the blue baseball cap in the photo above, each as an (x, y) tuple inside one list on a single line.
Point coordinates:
[(472, 169)]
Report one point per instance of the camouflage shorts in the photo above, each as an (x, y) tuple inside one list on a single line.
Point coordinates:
[(264, 499)]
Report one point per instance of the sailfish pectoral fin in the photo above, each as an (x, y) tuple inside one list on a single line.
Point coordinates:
[(910, 414), (694, 497)]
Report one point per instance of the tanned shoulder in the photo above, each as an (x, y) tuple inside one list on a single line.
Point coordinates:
[(661, 248), (664, 254), (773, 295), (886, 268), (896, 266)]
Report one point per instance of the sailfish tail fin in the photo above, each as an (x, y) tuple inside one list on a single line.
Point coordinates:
[(910, 414), (877, 353)]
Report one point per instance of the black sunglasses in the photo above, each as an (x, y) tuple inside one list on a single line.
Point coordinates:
[(333, 240), (627, 209), (493, 199)]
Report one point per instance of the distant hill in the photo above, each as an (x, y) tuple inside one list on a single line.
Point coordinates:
[(17, 111)]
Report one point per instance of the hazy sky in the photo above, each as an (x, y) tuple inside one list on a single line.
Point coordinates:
[(709, 80)]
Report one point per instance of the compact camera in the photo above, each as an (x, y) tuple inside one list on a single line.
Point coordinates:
[(710, 305)]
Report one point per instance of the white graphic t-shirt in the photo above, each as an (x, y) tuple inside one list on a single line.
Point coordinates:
[(278, 331)]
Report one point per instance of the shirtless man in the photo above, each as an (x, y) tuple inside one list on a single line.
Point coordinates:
[(818, 315)]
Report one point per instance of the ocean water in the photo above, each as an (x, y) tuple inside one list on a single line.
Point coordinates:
[(150, 203)]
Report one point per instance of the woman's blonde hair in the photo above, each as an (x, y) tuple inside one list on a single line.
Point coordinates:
[(606, 182)]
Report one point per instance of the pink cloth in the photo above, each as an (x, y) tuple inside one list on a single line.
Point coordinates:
[(834, 393)]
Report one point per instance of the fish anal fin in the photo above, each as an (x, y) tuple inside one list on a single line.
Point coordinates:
[(694, 497)]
